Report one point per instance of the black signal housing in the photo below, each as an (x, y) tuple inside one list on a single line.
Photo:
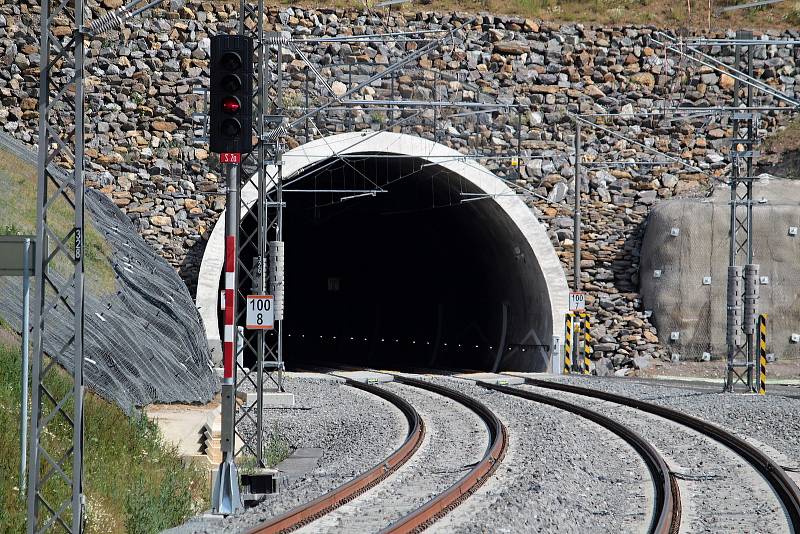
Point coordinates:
[(231, 107)]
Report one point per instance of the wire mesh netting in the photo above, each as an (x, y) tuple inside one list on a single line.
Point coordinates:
[(144, 341), (684, 265)]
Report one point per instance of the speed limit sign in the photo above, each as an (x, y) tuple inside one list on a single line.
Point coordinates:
[(260, 312)]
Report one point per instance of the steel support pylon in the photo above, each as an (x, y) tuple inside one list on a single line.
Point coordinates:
[(260, 250), (740, 333), (56, 460)]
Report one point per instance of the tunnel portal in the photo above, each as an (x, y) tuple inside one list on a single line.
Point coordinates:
[(409, 264)]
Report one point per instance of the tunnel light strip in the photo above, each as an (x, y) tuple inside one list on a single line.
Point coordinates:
[(522, 347)]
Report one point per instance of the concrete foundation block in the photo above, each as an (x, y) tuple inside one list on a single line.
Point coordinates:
[(493, 378), (271, 398), (367, 377)]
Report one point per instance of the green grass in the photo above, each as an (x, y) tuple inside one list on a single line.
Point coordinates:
[(133, 481), (18, 216), (276, 450)]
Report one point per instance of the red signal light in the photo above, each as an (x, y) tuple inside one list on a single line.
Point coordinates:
[(231, 104)]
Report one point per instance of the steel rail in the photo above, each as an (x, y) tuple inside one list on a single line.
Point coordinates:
[(308, 512), (446, 501), (666, 507), (783, 486)]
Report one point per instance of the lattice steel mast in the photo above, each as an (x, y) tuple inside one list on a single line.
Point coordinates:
[(742, 283), (260, 231), (56, 467)]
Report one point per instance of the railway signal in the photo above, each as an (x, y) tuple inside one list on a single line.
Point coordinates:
[(231, 111)]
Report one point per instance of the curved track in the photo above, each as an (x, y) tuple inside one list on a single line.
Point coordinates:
[(308, 512), (780, 482), (433, 509), (666, 506), (466, 486)]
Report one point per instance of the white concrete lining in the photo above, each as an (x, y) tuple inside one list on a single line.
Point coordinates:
[(319, 150)]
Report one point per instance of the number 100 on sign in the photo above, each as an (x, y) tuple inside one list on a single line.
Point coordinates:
[(260, 312)]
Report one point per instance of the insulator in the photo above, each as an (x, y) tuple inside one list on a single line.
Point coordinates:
[(276, 133), (734, 300), (734, 286), (276, 276), (276, 38), (751, 280), (110, 21), (750, 298)]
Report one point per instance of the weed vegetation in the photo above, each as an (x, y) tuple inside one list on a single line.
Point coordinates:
[(276, 449), (693, 14), (18, 217), (133, 481)]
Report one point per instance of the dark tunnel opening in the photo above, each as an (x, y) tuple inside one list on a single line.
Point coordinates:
[(410, 277)]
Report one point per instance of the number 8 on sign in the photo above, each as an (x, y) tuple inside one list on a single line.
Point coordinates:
[(260, 312)]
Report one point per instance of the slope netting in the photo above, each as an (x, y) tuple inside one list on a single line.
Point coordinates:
[(144, 341)]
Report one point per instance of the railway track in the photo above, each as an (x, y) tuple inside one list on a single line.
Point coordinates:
[(308, 512), (775, 476), (666, 514), (666, 503), (431, 510)]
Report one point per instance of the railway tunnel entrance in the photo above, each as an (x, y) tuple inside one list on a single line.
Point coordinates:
[(418, 259)]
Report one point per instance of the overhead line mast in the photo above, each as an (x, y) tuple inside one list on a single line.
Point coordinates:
[(56, 465)]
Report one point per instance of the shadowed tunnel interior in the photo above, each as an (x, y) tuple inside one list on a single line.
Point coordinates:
[(408, 277)]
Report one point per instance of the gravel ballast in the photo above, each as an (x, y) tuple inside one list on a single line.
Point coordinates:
[(769, 421), (455, 439), (355, 429), (720, 492), (561, 473)]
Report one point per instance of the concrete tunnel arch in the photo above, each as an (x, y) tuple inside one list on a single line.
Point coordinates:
[(528, 287)]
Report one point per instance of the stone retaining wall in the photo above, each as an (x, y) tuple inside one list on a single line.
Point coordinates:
[(139, 129)]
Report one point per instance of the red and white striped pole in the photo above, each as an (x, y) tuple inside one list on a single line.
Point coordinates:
[(226, 498), (229, 341)]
